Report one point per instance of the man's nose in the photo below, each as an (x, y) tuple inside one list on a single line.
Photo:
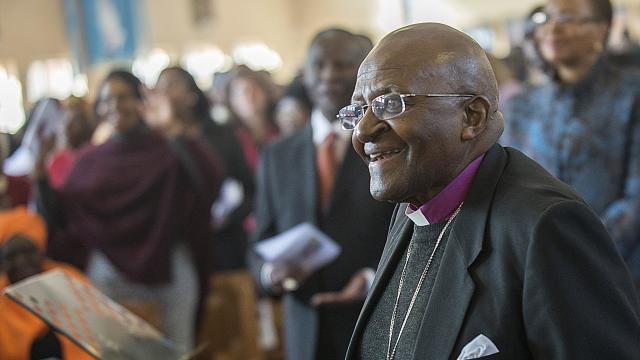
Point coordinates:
[(369, 128)]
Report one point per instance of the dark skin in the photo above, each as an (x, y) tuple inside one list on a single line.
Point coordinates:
[(250, 102), (118, 105), (329, 76), (573, 47), (20, 258), (181, 99), (170, 105), (435, 138), (330, 71)]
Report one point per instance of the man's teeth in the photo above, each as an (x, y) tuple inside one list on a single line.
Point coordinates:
[(382, 155)]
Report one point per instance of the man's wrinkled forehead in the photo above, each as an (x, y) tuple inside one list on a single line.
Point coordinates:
[(379, 81), (377, 74), (388, 58)]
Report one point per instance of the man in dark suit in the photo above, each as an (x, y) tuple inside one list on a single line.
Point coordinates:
[(314, 176), (488, 256)]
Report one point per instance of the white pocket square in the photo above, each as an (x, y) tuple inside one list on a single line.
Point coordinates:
[(478, 347)]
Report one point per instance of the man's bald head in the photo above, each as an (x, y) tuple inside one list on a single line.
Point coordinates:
[(440, 59), (449, 110), (436, 51)]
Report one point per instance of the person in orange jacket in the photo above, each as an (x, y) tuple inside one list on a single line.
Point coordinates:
[(22, 334)]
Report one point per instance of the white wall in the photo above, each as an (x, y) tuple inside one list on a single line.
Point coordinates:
[(34, 29)]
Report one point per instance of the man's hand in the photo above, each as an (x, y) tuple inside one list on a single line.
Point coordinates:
[(355, 290), (286, 277)]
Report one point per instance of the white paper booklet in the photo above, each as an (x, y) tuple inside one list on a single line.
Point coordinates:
[(303, 244)]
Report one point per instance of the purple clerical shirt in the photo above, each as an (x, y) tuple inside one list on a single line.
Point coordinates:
[(442, 206)]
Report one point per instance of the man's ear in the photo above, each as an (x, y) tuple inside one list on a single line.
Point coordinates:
[(476, 116)]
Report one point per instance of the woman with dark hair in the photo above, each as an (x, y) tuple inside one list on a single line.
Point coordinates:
[(293, 110), (134, 211), (236, 198), (252, 100), (584, 125), (78, 129), (535, 69)]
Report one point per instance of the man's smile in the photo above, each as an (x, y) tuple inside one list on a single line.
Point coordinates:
[(377, 156)]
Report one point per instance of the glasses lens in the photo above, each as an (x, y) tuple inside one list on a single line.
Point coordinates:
[(349, 116), (387, 106)]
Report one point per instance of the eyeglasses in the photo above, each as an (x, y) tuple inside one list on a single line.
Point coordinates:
[(384, 107), (542, 18)]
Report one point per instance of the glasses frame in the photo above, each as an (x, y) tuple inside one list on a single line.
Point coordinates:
[(562, 19), (404, 106)]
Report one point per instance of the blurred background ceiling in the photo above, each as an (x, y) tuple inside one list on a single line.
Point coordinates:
[(57, 47)]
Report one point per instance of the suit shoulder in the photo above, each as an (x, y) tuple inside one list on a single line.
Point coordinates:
[(289, 143), (525, 182), (525, 200), (526, 192)]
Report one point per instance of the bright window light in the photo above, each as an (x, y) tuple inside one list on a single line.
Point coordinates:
[(483, 36), (257, 56), (50, 78), (390, 14), (11, 110), (396, 13), (203, 62), (80, 86), (37, 82), (147, 68)]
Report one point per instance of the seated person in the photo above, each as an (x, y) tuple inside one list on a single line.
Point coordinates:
[(22, 334)]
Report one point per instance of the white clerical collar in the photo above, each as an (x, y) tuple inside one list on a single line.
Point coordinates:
[(321, 127), (416, 216)]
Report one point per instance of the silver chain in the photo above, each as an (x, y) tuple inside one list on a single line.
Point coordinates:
[(392, 352)]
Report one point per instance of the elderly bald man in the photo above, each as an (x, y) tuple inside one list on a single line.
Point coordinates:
[(488, 256)]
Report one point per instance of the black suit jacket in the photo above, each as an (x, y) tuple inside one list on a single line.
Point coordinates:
[(287, 196), (528, 265), (229, 245)]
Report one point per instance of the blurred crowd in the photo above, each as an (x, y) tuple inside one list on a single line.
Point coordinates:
[(150, 191)]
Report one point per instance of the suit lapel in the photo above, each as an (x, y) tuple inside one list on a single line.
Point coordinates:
[(308, 182), (399, 236), (454, 287), (447, 304), (344, 178)]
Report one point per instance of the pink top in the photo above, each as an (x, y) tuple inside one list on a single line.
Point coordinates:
[(60, 164)]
